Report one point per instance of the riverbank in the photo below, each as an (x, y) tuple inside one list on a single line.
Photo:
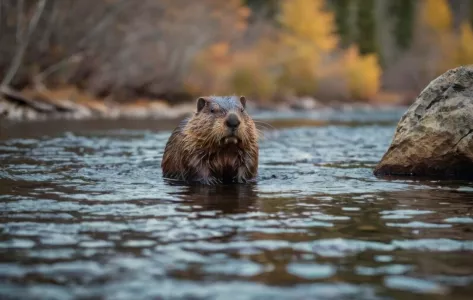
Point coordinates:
[(72, 104)]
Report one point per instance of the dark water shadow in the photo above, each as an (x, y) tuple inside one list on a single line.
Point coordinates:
[(452, 179), (227, 198)]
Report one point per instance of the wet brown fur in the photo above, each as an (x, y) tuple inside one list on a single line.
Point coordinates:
[(196, 150)]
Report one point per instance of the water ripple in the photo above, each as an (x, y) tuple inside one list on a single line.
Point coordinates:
[(86, 214)]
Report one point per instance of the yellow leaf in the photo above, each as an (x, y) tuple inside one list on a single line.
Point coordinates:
[(465, 45), (363, 74), (437, 15)]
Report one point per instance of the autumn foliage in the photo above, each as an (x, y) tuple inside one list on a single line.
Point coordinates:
[(288, 61), (464, 51), (363, 74), (174, 49)]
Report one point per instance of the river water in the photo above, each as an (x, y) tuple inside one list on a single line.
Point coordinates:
[(86, 214)]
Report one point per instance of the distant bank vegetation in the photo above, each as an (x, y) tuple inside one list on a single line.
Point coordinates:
[(269, 50)]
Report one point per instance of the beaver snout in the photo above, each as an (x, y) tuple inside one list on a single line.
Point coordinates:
[(232, 121)]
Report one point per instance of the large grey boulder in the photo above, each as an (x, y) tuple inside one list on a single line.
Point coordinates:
[(434, 138)]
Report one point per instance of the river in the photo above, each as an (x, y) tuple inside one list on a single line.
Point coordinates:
[(86, 214)]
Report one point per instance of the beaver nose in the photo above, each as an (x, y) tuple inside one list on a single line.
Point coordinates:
[(232, 121)]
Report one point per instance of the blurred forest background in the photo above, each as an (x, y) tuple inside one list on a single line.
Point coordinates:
[(270, 50)]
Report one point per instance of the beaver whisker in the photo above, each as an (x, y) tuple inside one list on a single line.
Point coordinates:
[(264, 123)]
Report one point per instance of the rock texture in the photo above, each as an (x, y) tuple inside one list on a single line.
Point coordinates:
[(434, 138)]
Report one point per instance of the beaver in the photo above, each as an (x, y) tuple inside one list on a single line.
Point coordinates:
[(217, 144)]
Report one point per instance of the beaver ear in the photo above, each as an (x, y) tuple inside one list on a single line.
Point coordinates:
[(201, 103), (243, 101)]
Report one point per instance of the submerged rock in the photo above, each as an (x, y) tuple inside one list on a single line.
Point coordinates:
[(305, 103), (434, 138)]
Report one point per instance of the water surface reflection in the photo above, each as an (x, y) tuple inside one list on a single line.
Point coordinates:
[(86, 214)]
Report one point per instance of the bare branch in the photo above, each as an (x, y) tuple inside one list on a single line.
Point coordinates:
[(1, 12), (49, 29), (19, 21), (18, 59), (39, 79), (105, 21)]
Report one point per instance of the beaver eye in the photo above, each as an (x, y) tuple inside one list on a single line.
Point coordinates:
[(242, 109), (212, 110)]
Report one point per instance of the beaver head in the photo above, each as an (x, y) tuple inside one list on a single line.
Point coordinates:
[(221, 122), (219, 143)]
